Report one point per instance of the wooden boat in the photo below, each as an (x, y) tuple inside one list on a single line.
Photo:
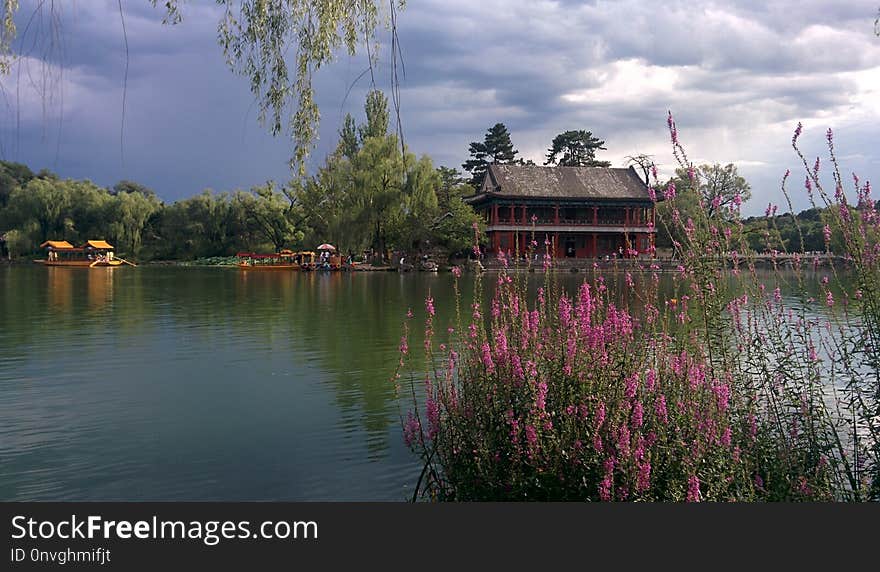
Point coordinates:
[(329, 258), (306, 259), (283, 260), (93, 254)]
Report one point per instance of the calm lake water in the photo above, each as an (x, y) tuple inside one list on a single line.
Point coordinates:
[(160, 383)]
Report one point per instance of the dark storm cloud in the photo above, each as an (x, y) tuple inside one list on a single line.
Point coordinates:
[(738, 76)]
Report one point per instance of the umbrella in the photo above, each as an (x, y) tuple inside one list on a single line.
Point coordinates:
[(326, 246)]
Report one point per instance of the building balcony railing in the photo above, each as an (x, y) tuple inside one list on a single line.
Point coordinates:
[(571, 222)]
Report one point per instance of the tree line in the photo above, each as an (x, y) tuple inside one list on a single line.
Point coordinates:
[(372, 194)]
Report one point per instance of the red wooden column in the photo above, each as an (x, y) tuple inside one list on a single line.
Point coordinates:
[(556, 214), (512, 214), (595, 245), (524, 219), (626, 216), (494, 213), (595, 215)]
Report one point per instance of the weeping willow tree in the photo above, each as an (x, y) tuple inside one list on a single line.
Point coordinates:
[(277, 45)]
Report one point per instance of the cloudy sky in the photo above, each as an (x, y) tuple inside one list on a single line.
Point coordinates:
[(738, 76)]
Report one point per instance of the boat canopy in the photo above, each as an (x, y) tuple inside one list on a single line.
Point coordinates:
[(256, 255), (98, 245), (57, 245)]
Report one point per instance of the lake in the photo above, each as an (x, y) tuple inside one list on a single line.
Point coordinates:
[(184, 383)]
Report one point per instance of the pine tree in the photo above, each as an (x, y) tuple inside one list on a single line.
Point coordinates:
[(496, 149), (575, 149)]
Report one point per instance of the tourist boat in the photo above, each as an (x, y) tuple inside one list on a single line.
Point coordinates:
[(329, 259), (282, 260), (93, 254), (306, 259)]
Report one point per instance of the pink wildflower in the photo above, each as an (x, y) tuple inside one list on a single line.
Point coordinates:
[(693, 494), (726, 437), (600, 414), (605, 487), (643, 481), (631, 385), (410, 429), (432, 412), (660, 409), (650, 379), (531, 435), (638, 413), (541, 397), (487, 358)]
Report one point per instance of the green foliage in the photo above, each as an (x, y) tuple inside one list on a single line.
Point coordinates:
[(50, 208), (202, 226), (7, 32), (718, 186), (376, 109), (127, 215), (126, 186), (268, 214), (575, 149), (325, 206), (453, 229), (452, 186), (708, 191), (378, 179), (40, 205), (372, 194), (687, 203), (348, 138), (412, 225), (18, 242), (12, 175), (495, 149)]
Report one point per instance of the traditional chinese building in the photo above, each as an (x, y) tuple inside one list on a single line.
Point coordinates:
[(586, 212)]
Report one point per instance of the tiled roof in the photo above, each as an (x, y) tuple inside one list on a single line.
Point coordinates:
[(564, 182)]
